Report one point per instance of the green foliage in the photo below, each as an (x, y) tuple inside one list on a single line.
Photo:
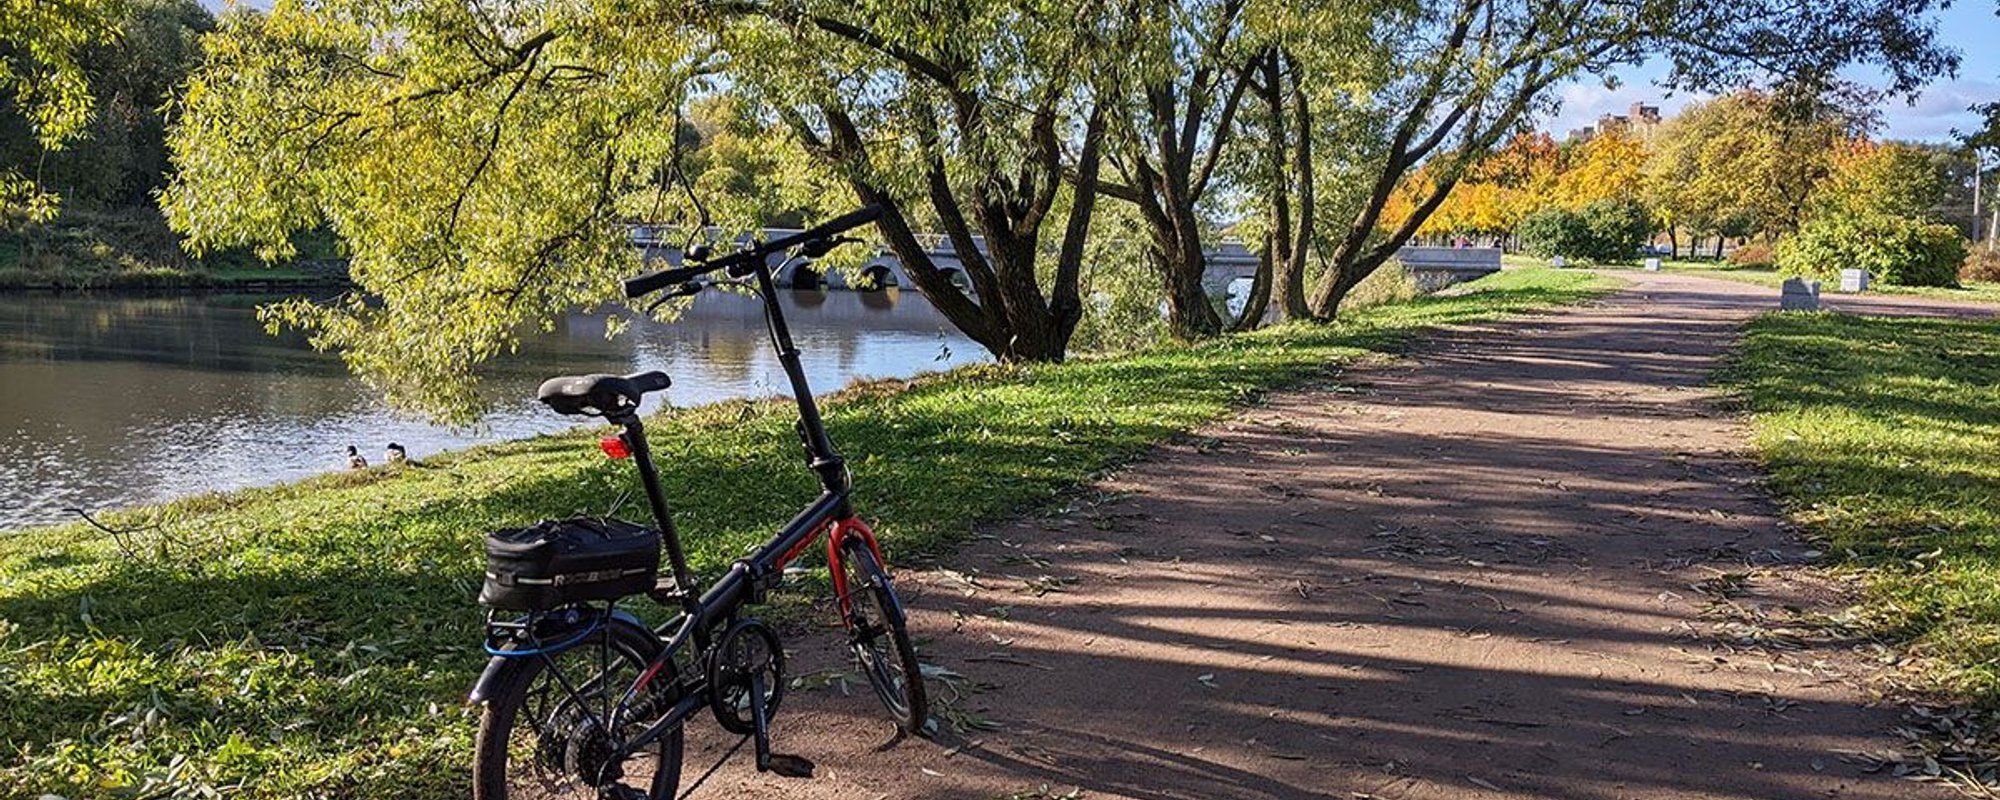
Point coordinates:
[(133, 247), (43, 86), (1738, 165), (1893, 179), (322, 643), (1604, 231), (1551, 232), (473, 163), (1899, 251), (1614, 229), (119, 158), (1882, 436)]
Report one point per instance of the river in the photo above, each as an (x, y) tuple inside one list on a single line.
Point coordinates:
[(109, 401)]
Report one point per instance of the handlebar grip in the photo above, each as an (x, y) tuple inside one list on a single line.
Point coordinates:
[(647, 284)]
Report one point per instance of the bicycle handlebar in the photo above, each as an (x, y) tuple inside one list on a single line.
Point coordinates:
[(748, 256)]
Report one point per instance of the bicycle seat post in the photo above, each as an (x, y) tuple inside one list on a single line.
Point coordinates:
[(649, 477)]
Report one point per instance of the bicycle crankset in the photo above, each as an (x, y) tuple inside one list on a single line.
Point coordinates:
[(747, 660)]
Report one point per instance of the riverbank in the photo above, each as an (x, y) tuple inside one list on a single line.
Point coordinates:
[(134, 250), (313, 639), (1882, 437)]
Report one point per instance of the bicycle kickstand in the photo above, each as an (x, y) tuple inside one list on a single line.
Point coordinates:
[(788, 766)]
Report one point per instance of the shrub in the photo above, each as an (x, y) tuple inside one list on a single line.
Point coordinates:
[(1757, 254), (1614, 230), (1981, 265), (1898, 251), (1389, 283), (1551, 232), (1607, 230)]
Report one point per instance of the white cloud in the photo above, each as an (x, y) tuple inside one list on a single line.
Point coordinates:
[(1938, 110), (1583, 103)]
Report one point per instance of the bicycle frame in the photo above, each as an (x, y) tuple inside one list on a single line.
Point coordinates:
[(749, 578)]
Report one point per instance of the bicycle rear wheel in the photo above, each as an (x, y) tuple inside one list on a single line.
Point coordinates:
[(880, 639), (539, 735)]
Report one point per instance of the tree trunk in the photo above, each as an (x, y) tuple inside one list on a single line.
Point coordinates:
[(1993, 231), (1009, 317), (1290, 300), (1259, 300), (1718, 246), (1180, 261), (1673, 241)]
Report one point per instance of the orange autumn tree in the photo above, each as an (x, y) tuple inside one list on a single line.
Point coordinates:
[(1496, 194), (1608, 166)]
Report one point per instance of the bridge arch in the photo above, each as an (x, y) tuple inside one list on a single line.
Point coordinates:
[(876, 278), (803, 275)]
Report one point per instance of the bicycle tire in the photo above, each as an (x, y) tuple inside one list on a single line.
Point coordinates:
[(880, 639), (496, 748)]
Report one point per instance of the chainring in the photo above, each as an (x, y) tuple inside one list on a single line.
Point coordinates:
[(748, 649)]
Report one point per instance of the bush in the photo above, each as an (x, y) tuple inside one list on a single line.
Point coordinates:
[(1752, 255), (1981, 265), (1551, 232), (1389, 283), (1614, 230), (1898, 251), (1607, 230)]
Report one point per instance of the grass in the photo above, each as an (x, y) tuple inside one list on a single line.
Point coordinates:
[(134, 249), (1882, 436), (1975, 291), (320, 641)]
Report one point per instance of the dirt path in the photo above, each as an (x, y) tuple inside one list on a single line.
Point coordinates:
[(1529, 561)]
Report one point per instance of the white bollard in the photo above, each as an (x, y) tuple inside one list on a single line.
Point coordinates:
[(1854, 280)]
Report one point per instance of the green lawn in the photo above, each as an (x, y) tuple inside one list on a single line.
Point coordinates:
[(1882, 436), (1975, 291), (318, 639)]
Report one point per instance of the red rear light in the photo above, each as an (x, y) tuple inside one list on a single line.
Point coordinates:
[(614, 446)]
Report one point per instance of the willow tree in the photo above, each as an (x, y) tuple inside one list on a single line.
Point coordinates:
[(1472, 72), (965, 117), (481, 162), (472, 159), (43, 84), (1208, 104)]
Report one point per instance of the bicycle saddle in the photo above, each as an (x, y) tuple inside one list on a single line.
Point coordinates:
[(598, 395)]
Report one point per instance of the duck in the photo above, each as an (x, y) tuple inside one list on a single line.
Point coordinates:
[(354, 459), (396, 454)]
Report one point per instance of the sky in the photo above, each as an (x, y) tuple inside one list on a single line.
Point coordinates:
[(1970, 27)]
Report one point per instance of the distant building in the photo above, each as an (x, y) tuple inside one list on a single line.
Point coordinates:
[(1640, 120)]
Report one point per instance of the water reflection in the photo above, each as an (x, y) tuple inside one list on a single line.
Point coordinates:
[(108, 401)]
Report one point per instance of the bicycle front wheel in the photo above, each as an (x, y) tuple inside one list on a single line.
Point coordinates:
[(880, 639), (542, 736)]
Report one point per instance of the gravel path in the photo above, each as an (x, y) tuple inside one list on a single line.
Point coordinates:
[(1530, 561)]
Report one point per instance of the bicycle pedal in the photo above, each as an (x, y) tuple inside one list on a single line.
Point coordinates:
[(789, 766)]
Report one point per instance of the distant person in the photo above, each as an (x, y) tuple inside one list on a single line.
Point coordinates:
[(397, 455), (354, 459)]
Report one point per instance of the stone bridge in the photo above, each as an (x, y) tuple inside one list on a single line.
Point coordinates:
[(1227, 263), (1432, 268)]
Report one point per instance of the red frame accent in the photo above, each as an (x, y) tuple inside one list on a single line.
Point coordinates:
[(837, 532)]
